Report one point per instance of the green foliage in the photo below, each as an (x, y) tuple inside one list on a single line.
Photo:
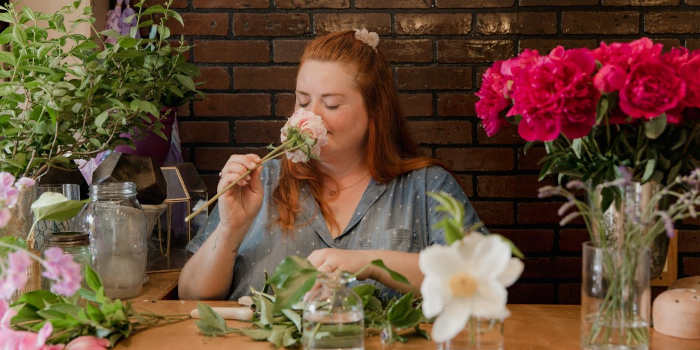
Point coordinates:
[(65, 95), (55, 206)]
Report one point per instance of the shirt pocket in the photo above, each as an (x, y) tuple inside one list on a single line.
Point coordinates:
[(398, 238)]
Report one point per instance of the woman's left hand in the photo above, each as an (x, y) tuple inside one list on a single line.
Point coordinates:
[(332, 259)]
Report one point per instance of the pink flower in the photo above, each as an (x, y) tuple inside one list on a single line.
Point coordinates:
[(24, 182), (20, 340), (8, 193), (61, 268), (14, 275), (690, 72), (539, 127), (492, 100), (624, 55), (314, 135), (5, 217), (652, 88), (609, 78), (87, 343)]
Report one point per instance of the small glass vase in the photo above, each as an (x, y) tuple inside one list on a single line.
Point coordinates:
[(615, 298), (333, 315), (478, 334)]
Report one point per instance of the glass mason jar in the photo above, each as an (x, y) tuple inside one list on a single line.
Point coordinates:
[(615, 298), (333, 315), (77, 244), (117, 228), (478, 334)]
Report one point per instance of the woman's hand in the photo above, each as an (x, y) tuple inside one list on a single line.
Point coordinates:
[(239, 205), (332, 259)]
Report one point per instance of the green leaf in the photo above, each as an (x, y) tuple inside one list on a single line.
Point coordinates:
[(145, 106), (364, 290), (256, 333), (649, 170), (294, 317), (576, 146), (101, 118), (264, 309), (655, 126), (603, 105), (55, 206), (92, 278), (186, 81), (6, 57), (513, 248), (38, 299), (210, 323), (394, 275)]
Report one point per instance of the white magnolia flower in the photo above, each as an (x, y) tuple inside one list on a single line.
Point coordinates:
[(468, 278)]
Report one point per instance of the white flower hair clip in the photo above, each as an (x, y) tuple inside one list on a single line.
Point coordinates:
[(367, 37)]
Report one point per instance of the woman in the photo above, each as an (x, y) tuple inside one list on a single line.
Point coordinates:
[(364, 199)]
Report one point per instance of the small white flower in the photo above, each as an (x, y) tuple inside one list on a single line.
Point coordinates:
[(468, 278), (367, 37)]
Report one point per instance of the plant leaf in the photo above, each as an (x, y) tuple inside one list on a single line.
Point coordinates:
[(55, 206), (655, 126), (394, 275)]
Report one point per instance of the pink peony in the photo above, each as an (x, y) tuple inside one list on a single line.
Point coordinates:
[(14, 275), (610, 78), (492, 100), (578, 111), (61, 268), (311, 127), (690, 72), (87, 343), (624, 55), (539, 127), (652, 88)]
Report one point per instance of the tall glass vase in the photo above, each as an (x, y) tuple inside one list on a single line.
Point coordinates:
[(615, 298)]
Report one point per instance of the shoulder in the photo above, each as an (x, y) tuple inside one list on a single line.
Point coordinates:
[(428, 177)]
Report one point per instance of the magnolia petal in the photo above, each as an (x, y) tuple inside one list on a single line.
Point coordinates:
[(490, 257), (452, 320), (439, 261), (468, 244), (512, 272), (435, 295), (490, 299)]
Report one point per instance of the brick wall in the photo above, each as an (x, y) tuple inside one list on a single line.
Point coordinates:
[(248, 52)]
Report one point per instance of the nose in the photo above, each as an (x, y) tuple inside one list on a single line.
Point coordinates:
[(315, 107)]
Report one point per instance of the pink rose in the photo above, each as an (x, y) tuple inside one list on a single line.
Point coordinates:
[(314, 133), (609, 78), (87, 343), (652, 88)]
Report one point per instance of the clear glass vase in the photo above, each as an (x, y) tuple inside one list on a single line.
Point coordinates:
[(478, 334), (118, 246), (615, 298), (333, 315)]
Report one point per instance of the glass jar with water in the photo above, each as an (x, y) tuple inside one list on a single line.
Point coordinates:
[(333, 315), (117, 228)]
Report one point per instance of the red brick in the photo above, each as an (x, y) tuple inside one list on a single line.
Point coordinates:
[(529, 240), (187, 154), (205, 132), (531, 293), (177, 4), (507, 136), (270, 24), (433, 23), (692, 44), (288, 50), (689, 241), (257, 131), (456, 105), (416, 105), (473, 51), (539, 213), (544, 46), (570, 240), (226, 51), (230, 105), (477, 159), (211, 182), (531, 159), (412, 50), (467, 184), (558, 2), (473, 3), (214, 78), (672, 22), (691, 266), (435, 77), (333, 22), (291, 4), (230, 4), (640, 2), (517, 23), (512, 186), (393, 4), (184, 110), (693, 2), (284, 104), (494, 213), (569, 293), (201, 24), (444, 132), (214, 158), (552, 267), (597, 22), (265, 78)]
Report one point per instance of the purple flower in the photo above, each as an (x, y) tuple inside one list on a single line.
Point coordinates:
[(575, 185), (61, 268), (14, 276), (565, 207), (668, 224)]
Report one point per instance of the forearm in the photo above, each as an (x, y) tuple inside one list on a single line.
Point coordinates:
[(209, 272), (401, 262)]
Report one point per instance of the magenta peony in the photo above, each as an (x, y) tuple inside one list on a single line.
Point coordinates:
[(492, 99), (651, 88)]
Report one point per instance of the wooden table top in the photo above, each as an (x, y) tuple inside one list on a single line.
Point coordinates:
[(530, 327)]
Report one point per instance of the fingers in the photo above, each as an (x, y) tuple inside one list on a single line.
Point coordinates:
[(235, 167)]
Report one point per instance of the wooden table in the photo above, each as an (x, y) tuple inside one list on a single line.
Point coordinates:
[(531, 327)]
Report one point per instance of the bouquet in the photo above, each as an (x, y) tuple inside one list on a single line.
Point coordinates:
[(623, 104)]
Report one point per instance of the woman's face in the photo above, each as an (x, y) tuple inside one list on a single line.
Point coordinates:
[(328, 89)]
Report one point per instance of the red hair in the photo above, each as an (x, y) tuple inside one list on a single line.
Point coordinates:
[(390, 151)]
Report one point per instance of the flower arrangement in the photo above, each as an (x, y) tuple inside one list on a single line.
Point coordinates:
[(468, 278), (623, 104), (302, 137)]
